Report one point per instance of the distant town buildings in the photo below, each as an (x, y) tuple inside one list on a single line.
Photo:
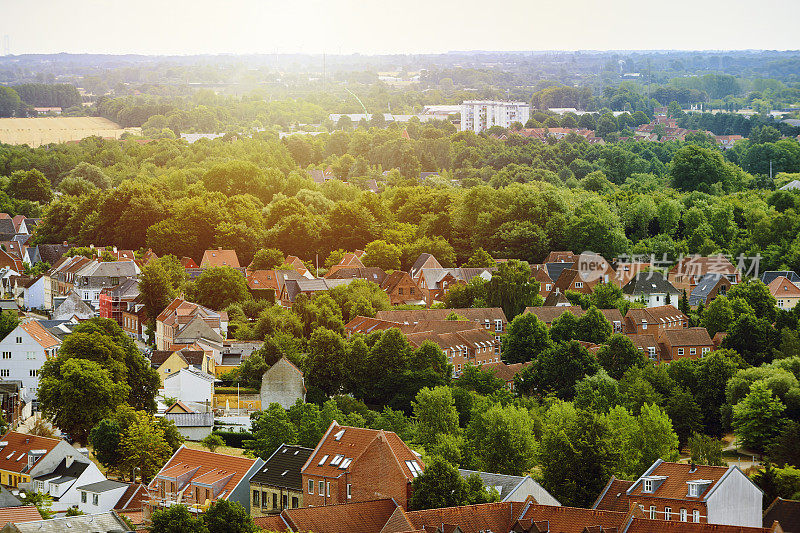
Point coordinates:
[(480, 115)]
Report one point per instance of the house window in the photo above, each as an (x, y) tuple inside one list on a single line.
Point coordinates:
[(19, 340), (311, 486), (648, 486), (34, 373), (4, 373), (651, 350), (274, 501), (295, 502), (680, 351), (31, 355), (256, 498), (652, 512), (578, 284), (83, 497), (548, 287), (683, 515), (667, 513), (693, 490), (706, 350), (498, 325), (695, 516), (6, 355), (692, 351), (349, 491), (400, 291), (328, 489), (95, 499), (644, 325), (322, 488)]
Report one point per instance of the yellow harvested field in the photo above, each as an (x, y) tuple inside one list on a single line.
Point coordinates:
[(38, 131)]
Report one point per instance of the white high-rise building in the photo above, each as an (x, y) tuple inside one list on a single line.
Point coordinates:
[(480, 115)]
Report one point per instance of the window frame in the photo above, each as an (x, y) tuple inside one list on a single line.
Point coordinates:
[(311, 486)]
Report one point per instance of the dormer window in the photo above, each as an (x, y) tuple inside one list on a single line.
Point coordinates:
[(648, 485)]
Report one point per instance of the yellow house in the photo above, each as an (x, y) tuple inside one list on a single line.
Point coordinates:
[(168, 362), (786, 293), (24, 456)]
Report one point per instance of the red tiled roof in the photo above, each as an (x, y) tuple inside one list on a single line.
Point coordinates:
[(219, 257), (614, 496), (470, 518), (782, 287), (262, 279), (186, 459), (22, 513), (14, 455), (359, 517), (133, 498), (677, 475), (686, 337), (646, 525), (351, 444), (573, 519), (45, 339), (188, 262)]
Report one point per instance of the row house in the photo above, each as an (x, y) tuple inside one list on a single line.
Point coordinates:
[(134, 319), (184, 322), (492, 319), (654, 320), (292, 288), (683, 492), (24, 456), (505, 372), (60, 280), (402, 289), (692, 343), (357, 464), (652, 288), (113, 301), (197, 479), (269, 283), (278, 484), (24, 351), (690, 270), (471, 345)]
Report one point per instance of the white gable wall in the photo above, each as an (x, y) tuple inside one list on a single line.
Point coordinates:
[(736, 501), (21, 357)]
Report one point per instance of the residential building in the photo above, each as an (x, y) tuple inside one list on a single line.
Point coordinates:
[(269, 283), (424, 260), (469, 344), (785, 512), (198, 478), (72, 307), (101, 496), (278, 484), (218, 258), (435, 283), (652, 288), (647, 344), (625, 272), (503, 371), (359, 464), (108, 522), (693, 343), (513, 488), (709, 287), (549, 314), (402, 289), (786, 293), (23, 457), (24, 351), (292, 288), (349, 260), (653, 320), (769, 275), (63, 484), (480, 115), (96, 275), (282, 383), (192, 423), (691, 268), (19, 513), (113, 301), (186, 322), (373, 274), (167, 362), (33, 292), (546, 283), (190, 385), (134, 319), (491, 318), (690, 493)]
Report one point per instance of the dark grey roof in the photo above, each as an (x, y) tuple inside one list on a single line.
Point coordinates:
[(703, 289), (7, 499), (64, 472), (9, 305), (7, 227), (282, 469), (770, 275), (373, 274), (22, 238), (554, 270), (649, 282), (232, 359), (103, 486), (418, 264), (51, 253)]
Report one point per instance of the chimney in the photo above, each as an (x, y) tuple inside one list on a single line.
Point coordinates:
[(69, 460), (692, 467)]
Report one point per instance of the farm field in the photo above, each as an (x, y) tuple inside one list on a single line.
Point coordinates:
[(39, 131)]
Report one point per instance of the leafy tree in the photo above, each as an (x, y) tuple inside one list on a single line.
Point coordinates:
[(483, 381), (159, 284), (598, 393), (753, 338), (564, 327), (105, 438), (212, 442), (512, 289), (176, 519), (267, 259), (686, 415), (758, 297), (480, 258), (618, 355), (556, 371), (144, 447), (593, 327), (30, 185), (440, 485), (76, 186), (271, 428), (219, 287), (228, 517), (718, 316), (706, 450), (327, 352), (502, 440), (785, 449), (9, 321), (382, 255), (655, 438), (43, 502), (90, 173), (436, 414), (526, 338), (77, 393), (694, 167), (756, 419), (712, 373)]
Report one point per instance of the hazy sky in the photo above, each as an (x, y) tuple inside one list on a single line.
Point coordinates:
[(397, 26)]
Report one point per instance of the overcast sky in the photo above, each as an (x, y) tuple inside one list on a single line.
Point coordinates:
[(393, 26)]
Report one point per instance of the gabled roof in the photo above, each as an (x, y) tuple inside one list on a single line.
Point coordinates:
[(561, 257), (64, 472), (643, 342), (676, 478), (424, 260), (768, 276), (705, 286), (656, 315), (697, 265), (88, 523), (391, 281), (294, 287), (614, 496), (367, 325), (14, 455), (188, 262), (504, 371), (348, 444), (554, 270), (357, 517), (282, 468), (51, 253), (373, 274), (133, 498), (573, 519), (781, 287), (208, 464), (219, 257), (411, 316), (786, 512), (649, 283), (556, 299), (43, 337), (19, 514), (686, 337), (499, 516)]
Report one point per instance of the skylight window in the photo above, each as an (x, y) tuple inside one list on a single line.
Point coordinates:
[(414, 467), (322, 461), (336, 460), (339, 435), (345, 463)]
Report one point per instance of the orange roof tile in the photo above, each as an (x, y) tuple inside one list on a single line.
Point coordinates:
[(359, 517), (14, 455), (646, 525), (782, 287), (573, 519), (23, 513), (203, 462), (614, 496), (45, 339), (219, 257), (499, 516), (677, 475)]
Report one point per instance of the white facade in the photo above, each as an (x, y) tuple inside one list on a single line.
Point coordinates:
[(480, 115), (189, 385), (34, 295), (735, 500), (99, 497), (65, 492), (22, 356)]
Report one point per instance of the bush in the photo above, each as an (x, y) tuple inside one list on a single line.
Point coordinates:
[(233, 439)]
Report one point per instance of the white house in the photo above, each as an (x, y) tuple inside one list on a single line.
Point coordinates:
[(653, 288), (100, 496), (33, 293), (24, 351), (62, 483), (189, 385), (513, 488)]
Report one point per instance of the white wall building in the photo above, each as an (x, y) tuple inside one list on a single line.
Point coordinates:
[(189, 385), (480, 115), (24, 351)]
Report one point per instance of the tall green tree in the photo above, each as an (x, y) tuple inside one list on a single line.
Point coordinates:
[(512, 289), (436, 414), (526, 338), (441, 485), (757, 418), (219, 287), (271, 428)]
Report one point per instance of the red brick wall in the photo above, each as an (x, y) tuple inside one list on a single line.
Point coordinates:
[(676, 505), (376, 474)]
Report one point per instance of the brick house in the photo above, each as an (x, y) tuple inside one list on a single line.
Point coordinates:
[(693, 343), (401, 288), (690, 270), (423, 261), (113, 301), (356, 464), (549, 314), (278, 485), (470, 345), (219, 257), (184, 321), (708, 288), (653, 320), (349, 260), (539, 273), (688, 493), (491, 318), (435, 283)]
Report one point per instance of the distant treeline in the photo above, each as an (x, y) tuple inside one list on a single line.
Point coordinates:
[(61, 95)]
